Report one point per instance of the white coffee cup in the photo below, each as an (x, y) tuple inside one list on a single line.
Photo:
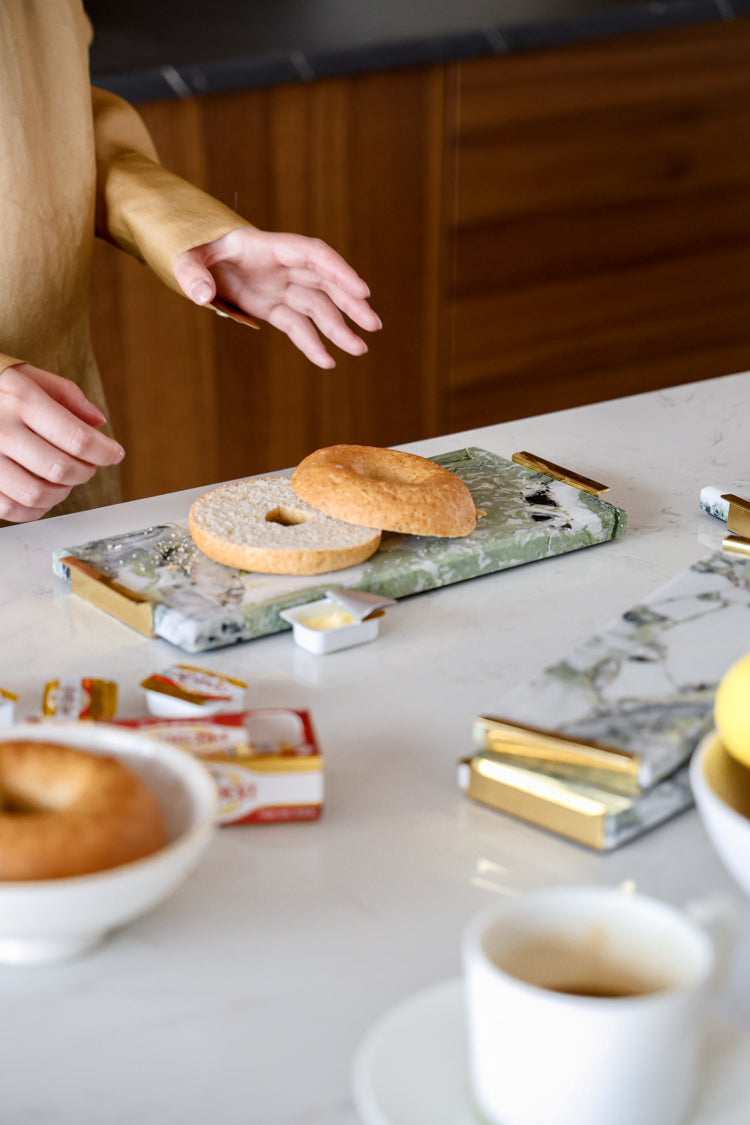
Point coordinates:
[(586, 1006)]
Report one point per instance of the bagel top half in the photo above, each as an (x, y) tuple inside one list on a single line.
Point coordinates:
[(385, 488)]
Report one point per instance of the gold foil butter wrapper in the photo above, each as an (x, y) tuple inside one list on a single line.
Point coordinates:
[(86, 698), (266, 762), (183, 691), (605, 767), (597, 818)]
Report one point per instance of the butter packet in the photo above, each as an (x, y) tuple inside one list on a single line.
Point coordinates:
[(266, 762), (184, 691), (87, 698), (8, 700)]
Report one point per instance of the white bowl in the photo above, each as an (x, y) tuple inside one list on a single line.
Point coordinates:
[(52, 919), (721, 787)]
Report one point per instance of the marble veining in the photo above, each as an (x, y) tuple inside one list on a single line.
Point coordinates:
[(646, 683)]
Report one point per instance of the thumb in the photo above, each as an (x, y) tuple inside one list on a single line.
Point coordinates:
[(194, 278)]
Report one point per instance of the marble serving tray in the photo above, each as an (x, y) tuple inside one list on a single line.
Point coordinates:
[(175, 592), (645, 685)]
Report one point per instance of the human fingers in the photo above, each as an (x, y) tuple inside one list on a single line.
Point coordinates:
[(318, 307), (193, 276), (26, 406), (70, 395), (47, 462), (356, 308), (25, 497), (62, 390), (297, 251), (302, 334)]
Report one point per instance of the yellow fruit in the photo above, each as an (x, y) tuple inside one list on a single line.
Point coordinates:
[(732, 710)]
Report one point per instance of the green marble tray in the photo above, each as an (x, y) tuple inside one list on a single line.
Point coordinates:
[(198, 604)]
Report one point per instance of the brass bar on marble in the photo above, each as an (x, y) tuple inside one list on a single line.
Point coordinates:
[(103, 592), (583, 815), (736, 545), (607, 767), (567, 476), (738, 519)]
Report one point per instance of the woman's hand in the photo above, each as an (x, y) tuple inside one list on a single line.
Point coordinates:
[(49, 441), (295, 283)]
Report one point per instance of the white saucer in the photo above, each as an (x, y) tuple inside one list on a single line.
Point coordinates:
[(411, 1068)]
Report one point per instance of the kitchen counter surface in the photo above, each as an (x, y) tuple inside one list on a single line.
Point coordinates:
[(151, 50), (243, 997)]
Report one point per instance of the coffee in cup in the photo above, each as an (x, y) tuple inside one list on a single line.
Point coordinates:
[(585, 1006)]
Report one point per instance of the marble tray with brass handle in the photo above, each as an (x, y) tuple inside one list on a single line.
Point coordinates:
[(158, 582)]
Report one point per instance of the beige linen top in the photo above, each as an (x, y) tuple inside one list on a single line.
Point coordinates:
[(76, 162)]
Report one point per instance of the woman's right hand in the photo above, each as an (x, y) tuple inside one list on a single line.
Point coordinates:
[(49, 441)]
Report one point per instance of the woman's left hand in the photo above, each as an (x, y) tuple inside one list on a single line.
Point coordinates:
[(299, 285)]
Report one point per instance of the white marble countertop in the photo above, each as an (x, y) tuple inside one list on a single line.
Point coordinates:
[(243, 997)]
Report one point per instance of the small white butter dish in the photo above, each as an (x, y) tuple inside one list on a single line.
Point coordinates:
[(340, 620)]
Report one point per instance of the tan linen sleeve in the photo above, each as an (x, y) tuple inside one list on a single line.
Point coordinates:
[(7, 361), (144, 209)]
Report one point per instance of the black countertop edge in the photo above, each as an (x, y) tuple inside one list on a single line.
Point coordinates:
[(284, 67)]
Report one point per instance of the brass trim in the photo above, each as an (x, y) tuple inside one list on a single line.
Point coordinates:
[(103, 592), (607, 767), (736, 545), (567, 476), (738, 519), (544, 801)]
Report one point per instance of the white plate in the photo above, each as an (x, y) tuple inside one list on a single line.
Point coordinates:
[(411, 1068)]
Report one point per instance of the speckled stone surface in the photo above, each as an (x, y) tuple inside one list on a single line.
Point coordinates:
[(200, 604)]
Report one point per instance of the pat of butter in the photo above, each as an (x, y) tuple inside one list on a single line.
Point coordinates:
[(332, 620)]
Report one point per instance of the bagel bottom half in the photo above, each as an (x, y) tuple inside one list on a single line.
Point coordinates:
[(262, 525)]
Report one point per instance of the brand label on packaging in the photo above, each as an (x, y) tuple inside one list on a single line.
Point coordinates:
[(266, 762)]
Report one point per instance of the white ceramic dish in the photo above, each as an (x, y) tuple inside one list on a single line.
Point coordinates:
[(721, 787), (411, 1069), (50, 920), (319, 641)]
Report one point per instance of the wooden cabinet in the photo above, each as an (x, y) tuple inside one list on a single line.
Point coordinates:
[(538, 230), (602, 222)]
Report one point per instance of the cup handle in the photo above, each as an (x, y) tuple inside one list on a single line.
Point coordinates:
[(717, 917)]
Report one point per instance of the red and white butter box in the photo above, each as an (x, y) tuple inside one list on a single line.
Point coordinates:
[(266, 762)]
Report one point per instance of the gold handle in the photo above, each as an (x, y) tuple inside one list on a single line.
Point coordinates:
[(567, 476)]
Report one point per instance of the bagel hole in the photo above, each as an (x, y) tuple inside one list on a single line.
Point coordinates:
[(287, 517), (16, 804)]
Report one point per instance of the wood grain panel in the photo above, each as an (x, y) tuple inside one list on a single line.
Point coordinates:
[(602, 223), (356, 162)]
